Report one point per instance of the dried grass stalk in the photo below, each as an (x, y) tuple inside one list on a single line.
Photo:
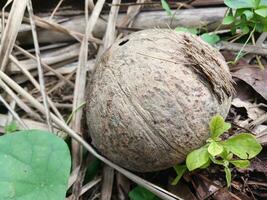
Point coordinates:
[(11, 30)]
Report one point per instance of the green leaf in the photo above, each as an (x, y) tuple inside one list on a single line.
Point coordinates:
[(228, 175), (259, 27), (180, 170), (33, 165), (210, 38), (236, 4), (218, 126), (194, 31), (244, 145), (166, 7), (215, 149), (206, 165), (245, 29), (249, 14), (242, 164), (140, 193), (197, 158), (239, 12), (12, 127), (233, 30), (228, 20), (262, 12), (226, 155)]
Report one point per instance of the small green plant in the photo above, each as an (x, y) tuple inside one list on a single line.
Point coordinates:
[(246, 15), (236, 150), (210, 38), (34, 165)]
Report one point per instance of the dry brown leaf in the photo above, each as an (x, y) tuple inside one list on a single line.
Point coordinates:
[(255, 77), (253, 110)]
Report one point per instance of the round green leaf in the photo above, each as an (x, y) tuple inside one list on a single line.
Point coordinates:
[(215, 149), (33, 165), (244, 145), (210, 38), (197, 158), (228, 20)]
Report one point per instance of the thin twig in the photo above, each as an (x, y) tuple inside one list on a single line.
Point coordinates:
[(110, 34), (19, 101), (87, 187), (241, 50), (79, 91), (3, 11), (39, 66), (9, 34), (252, 49), (35, 84), (257, 57), (61, 83), (55, 10), (60, 76)]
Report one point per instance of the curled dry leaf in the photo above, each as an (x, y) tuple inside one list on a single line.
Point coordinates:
[(255, 77), (252, 109)]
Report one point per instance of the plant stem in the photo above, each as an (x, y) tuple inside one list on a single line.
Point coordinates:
[(241, 50)]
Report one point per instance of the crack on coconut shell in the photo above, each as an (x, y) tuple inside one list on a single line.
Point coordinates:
[(214, 71)]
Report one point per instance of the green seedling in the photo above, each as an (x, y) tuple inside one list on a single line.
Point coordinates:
[(235, 151), (249, 16), (246, 15), (210, 38)]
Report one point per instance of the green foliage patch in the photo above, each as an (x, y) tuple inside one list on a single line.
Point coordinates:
[(246, 15), (236, 150)]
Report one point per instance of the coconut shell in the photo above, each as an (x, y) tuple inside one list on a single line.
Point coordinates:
[(152, 97)]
